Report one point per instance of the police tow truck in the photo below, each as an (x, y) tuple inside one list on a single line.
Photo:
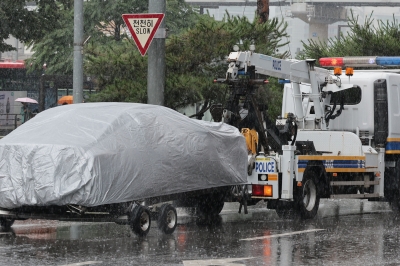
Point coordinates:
[(338, 135)]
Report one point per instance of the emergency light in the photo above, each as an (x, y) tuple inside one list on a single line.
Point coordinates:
[(283, 81), (360, 61)]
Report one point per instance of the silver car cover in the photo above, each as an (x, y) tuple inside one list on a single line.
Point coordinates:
[(100, 153)]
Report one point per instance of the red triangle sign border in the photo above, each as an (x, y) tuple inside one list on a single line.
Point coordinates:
[(127, 17)]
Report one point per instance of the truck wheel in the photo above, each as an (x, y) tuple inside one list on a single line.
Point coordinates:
[(286, 210), (394, 201), (6, 223), (139, 220), (308, 200), (167, 219)]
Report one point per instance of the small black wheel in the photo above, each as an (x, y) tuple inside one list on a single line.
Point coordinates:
[(167, 219), (308, 201), (6, 223), (139, 220), (211, 204)]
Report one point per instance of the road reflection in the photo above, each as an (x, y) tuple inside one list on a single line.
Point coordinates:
[(267, 248), (232, 239)]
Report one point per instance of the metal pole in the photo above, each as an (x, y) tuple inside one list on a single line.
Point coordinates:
[(156, 58), (78, 52), (16, 47), (41, 93)]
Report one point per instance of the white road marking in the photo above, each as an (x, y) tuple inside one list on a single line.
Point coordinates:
[(281, 235), (215, 262), (83, 263), (5, 233)]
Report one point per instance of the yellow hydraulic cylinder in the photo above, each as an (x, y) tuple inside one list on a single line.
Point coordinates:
[(251, 137)]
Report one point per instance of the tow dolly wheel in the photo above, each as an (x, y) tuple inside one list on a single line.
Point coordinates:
[(6, 223), (139, 220), (167, 219)]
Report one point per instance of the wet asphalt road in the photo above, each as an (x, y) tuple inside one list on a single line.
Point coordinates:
[(347, 232)]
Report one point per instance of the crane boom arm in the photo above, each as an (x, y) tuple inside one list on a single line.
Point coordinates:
[(295, 70)]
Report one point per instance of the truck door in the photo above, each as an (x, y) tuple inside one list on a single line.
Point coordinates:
[(381, 112), (392, 113)]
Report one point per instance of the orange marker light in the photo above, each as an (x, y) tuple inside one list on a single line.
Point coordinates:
[(337, 71), (268, 191), (349, 71)]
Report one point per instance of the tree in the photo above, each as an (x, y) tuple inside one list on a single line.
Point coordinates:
[(120, 71), (102, 21), (103, 24), (179, 16), (103, 18), (55, 49), (263, 10), (194, 58), (363, 40), (195, 50), (200, 54), (26, 24)]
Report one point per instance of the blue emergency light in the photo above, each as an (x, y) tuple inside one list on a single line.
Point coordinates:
[(283, 81)]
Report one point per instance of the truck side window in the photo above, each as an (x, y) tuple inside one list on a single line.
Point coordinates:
[(352, 96)]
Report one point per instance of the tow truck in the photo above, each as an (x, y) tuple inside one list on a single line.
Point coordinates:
[(338, 136)]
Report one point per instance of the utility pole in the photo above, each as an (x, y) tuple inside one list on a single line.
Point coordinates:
[(263, 10), (156, 58), (16, 49), (78, 52)]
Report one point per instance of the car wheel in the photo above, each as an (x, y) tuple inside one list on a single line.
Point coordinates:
[(139, 220), (167, 219)]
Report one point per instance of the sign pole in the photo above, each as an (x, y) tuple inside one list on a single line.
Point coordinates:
[(78, 52), (156, 58)]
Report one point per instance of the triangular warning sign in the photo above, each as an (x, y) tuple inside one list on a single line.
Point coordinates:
[(143, 27)]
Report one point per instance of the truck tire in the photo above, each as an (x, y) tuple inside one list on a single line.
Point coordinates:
[(308, 196), (394, 201), (167, 219), (286, 210), (392, 186), (6, 223), (139, 220)]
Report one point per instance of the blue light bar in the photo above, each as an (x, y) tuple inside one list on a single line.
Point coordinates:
[(242, 73), (388, 60), (283, 81)]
